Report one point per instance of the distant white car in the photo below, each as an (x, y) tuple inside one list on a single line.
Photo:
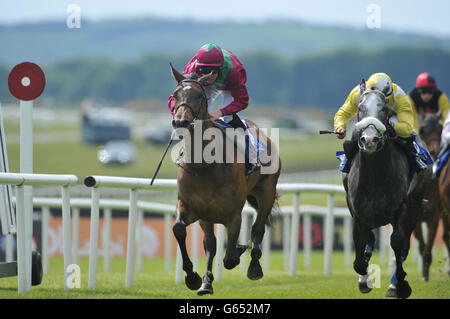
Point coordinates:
[(117, 152)]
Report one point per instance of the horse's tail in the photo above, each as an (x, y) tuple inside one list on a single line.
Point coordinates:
[(274, 210)]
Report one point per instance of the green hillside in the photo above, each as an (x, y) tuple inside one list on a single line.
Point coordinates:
[(129, 39)]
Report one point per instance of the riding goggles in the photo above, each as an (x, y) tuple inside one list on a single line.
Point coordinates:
[(206, 69)]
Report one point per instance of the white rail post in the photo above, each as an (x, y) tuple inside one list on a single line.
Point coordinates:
[(219, 255), (347, 241), (179, 267), (26, 166), (75, 234), (21, 238), (307, 240), (286, 231), (168, 241), (329, 232), (266, 249), (194, 244), (106, 243), (243, 240), (45, 218), (9, 247), (93, 243), (131, 242), (384, 244), (139, 230), (67, 241), (295, 224)]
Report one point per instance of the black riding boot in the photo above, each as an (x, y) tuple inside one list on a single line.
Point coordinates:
[(408, 146)]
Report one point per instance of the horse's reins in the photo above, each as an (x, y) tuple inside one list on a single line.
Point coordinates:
[(204, 97)]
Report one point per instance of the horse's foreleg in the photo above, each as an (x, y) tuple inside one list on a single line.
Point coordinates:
[(209, 244), (403, 226), (364, 241), (192, 280)]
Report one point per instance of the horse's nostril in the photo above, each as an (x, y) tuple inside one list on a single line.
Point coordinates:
[(376, 139), (184, 123), (363, 139)]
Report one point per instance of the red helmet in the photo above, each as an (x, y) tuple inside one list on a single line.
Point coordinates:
[(210, 55), (425, 80)]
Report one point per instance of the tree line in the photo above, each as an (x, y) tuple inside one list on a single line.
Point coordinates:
[(321, 80)]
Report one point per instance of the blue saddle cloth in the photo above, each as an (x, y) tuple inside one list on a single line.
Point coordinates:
[(345, 163), (258, 145)]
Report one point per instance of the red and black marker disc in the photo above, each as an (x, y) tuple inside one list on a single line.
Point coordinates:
[(26, 81)]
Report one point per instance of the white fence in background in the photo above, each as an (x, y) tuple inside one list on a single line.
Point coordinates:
[(25, 221), (290, 214)]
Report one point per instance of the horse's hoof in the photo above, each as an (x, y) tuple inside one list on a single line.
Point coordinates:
[(205, 289), (365, 284), (392, 291), (403, 290), (254, 271), (230, 263), (193, 281)]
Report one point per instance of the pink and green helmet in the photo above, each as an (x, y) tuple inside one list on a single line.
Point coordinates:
[(210, 55)]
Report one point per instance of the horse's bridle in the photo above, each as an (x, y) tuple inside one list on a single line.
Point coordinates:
[(184, 104), (390, 132)]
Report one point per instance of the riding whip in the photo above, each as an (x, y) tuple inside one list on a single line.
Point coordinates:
[(329, 132), (164, 155)]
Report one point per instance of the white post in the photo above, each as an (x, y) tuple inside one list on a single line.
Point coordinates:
[(194, 244), (243, 240), (75, 234), (93, 243), (179, 267), (328, 243), (106, 240), (307, 240), (266, 249), (294, 235), (219, 251), (347, 241), (384, 244), (140, 222), (286, 229), (168, 241), (9, 247), (131, 242), (45, 219), (26, 166), (67, 243), (21, 245)]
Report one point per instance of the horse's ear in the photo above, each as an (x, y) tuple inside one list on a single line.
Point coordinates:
[(204, 78), (386, 89), (176, 75), (362, 85), (439, 114)]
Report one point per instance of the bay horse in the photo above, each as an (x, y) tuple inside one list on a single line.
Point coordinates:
[(380, 190), (432, 207), (216, 192)]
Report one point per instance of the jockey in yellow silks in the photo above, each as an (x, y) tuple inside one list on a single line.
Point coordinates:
[(402, 119)]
